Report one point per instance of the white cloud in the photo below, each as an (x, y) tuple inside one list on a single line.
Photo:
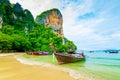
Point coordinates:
[(71, 13)]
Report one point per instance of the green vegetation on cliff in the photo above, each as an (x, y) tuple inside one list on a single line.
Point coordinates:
[(37, 39), (15, 15), (39, 18)]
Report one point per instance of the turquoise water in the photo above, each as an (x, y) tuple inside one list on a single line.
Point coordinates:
[(99, 65)]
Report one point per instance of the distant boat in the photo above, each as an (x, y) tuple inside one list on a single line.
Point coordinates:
[(37, 53), (91, 51), (69, 58), (112, 51)]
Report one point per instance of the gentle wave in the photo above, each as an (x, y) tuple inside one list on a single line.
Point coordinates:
[(105, 58), (111, 65), (73, 73), (6, 54)]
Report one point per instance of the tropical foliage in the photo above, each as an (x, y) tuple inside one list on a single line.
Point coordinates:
[(37, 39)]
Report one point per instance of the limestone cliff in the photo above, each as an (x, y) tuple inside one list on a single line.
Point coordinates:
[(52, 18)]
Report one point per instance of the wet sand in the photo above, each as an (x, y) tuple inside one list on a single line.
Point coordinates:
[(11, 69)]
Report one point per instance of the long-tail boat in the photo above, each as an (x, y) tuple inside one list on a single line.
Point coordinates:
[(69, 58), (37, 53)]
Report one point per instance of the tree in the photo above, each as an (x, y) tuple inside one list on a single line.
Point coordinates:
[(20, 43), (7, 29), (5, 41)]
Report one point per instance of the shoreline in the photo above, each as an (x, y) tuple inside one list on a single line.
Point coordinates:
[(71, 72), (43, 67)]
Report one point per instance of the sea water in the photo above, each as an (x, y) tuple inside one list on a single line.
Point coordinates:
[(98, 66)]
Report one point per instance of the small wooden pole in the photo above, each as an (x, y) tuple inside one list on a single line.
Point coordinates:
[(53, 50)]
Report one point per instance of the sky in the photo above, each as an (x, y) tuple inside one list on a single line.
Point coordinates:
[(90, 24)]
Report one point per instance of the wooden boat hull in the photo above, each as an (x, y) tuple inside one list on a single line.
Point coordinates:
[(67, 58)]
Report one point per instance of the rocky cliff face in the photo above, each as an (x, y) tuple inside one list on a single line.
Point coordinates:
[(15, 15), (52, 18)]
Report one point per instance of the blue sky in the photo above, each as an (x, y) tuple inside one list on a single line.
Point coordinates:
[(90, 24)]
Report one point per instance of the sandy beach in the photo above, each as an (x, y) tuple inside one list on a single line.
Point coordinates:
[(12, 69)]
